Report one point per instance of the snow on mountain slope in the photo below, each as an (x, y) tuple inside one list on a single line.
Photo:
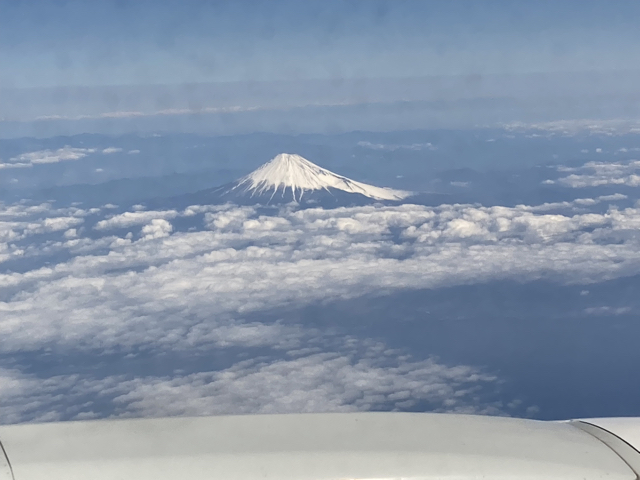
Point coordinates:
[(299, 175)]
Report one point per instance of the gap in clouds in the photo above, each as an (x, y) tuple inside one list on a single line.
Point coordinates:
[(569, 350)]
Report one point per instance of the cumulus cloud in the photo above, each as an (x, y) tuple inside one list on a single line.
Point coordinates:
[(64, 154), (627, 150), (71, 233), (595, 174), (321, 382), (158, 228), (15, 165), (129, 219), (18, 223), (30, 159), (111, 150)]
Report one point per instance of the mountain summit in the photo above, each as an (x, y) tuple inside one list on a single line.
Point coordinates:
[(289, 177)]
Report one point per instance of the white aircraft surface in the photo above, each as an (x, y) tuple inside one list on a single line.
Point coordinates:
[(367, 446)]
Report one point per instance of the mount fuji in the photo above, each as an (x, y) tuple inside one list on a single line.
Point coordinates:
[(292, 178)]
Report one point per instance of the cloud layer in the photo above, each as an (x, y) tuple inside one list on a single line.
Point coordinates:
[(92, 284), (357, 376), (247, 262)]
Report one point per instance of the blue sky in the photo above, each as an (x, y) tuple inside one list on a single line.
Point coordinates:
[(44, 44)]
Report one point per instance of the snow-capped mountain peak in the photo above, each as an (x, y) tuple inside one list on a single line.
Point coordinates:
[(290, 172)]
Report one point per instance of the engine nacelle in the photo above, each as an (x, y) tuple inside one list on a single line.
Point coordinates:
[(363, 446)]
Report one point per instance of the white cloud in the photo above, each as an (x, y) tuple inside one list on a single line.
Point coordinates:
[(21, 210), (58, 223), (129, 219), (612, 198), (64, 154), (627, 150), (394, 147), (15, 165), (164, 112), (321, 382), (111, 150), (608, 127), (595, 174), (17, 223), (604, 310), (158, 228)]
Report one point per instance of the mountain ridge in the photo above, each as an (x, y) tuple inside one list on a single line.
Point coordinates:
[(291, 176)]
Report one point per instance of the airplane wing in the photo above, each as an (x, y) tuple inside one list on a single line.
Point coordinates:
[(367, 446)]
